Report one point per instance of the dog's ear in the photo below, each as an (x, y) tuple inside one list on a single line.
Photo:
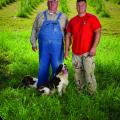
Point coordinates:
[(59, 69), (27, 80), (30, 80)]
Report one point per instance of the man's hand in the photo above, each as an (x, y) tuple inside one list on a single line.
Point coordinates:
[(92, 52), (34, 49)]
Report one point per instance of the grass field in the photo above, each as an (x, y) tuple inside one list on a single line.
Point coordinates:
[(17, 59)]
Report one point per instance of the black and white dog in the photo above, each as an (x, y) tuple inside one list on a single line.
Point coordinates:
[(29, 81), (59, 82)]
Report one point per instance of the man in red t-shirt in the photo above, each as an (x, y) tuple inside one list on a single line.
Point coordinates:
[(85, 30)]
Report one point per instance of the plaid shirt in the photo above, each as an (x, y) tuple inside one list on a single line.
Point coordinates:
[(38, 23)]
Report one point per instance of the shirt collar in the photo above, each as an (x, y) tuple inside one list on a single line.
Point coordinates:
[(52, 13)]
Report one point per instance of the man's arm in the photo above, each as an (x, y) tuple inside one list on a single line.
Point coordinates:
[(96, 42), (67, 44), (34, 35)]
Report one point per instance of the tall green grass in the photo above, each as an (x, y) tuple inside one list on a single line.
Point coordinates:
[(4, 62), (18, 103), (27, 104), (3, 3), (21, 62), (64, 6), (107, 61), (99, 7), (27, 7)]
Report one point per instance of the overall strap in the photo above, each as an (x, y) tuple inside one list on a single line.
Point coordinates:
[(59, 15), (45, 15)]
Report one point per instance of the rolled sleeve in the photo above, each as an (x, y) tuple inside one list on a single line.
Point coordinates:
[(36, 26), (63, 22)]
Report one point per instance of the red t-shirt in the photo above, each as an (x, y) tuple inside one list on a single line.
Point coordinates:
[(82, 30)]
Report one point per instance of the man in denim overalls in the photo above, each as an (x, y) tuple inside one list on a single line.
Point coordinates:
[(49, 28)]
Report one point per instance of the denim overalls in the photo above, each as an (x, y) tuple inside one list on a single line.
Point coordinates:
[(51, 49)]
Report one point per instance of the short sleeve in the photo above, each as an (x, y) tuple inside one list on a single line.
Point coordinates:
[(69, 27), (95, 23)]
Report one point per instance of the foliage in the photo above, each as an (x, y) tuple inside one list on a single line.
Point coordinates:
[(64, 6), (27, 7), (3, 3), (99, 7), (114, 1)]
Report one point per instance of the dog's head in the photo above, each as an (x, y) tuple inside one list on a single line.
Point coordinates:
[(28, 80), (62, 70)]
